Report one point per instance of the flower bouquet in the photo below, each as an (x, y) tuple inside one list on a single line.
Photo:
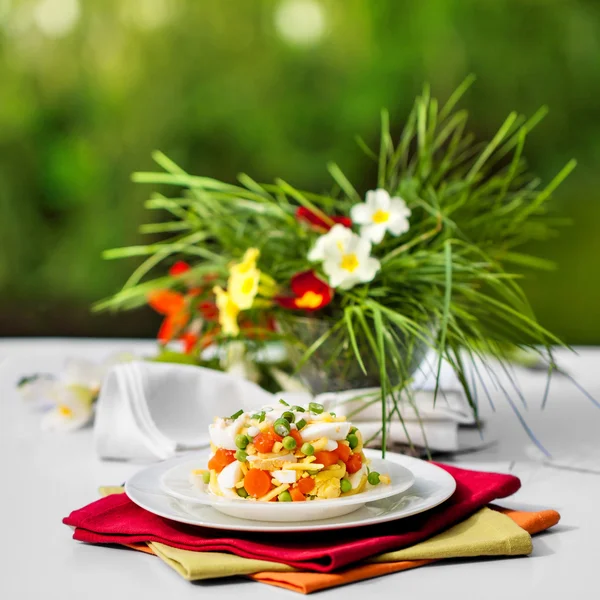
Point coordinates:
[(358, 283)]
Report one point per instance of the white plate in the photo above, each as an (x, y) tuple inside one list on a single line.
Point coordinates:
[(432, 486), (176, 483)]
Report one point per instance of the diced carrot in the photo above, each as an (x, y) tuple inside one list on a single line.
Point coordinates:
[(343, 452), (221, 459), (297, 495), (272, 433), (296, 435), (263, 442), (354, 463), (257, 483), (306, 484), (326, 458)]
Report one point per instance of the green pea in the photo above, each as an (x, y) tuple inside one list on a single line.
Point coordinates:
[(352, 439), (206, 477), (298, 408), (241, 455), (373, 478), (281, 427), (345, 485), (300, 424), (289, 443), (313, 472), (241, 441), (239, 413), (282, 401), (290, 417), (316, 408), (307, 449), (285, 497), (242, 493)]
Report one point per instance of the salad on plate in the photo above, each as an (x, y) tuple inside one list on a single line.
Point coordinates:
[(286, 453)]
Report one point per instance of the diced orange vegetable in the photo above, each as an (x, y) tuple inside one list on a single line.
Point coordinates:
[(263, 442), (272, 433), (343, 452), (296, 435), (221, 459), (297, 495), (354, 463), (306, 485), (257, 483), (326, 458)]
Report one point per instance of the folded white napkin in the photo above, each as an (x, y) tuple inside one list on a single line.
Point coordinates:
[(149, 410)]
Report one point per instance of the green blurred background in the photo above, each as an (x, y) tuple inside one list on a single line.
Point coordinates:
[(273, 88)]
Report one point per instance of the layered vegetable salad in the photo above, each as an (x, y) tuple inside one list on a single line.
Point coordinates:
[(284, 453)]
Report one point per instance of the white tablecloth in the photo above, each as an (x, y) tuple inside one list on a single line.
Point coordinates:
[(46, 475)]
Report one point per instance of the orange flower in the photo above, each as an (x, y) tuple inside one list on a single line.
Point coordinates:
[(173, 306)]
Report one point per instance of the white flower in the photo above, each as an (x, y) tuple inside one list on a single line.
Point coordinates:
[(380, 213), (68, 398), (73, 408), (346, 257)]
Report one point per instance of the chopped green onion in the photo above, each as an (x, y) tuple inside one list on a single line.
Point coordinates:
[(373, 478), (289, 443), (332, 414), (298, 408), (241, 441), (307, 449), (241, 455), (300, 424), (260, 417), (282, 401), (285, 497), (352, 439), (206, 477), (281, 427), (242, 493), (316, 408), (353, 430), (290, 417), (345, 485), (239, 413)]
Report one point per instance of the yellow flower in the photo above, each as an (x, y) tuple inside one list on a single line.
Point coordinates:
[(228, 312), (243, 280)]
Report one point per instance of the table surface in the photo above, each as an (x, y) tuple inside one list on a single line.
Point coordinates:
[(46, 475)]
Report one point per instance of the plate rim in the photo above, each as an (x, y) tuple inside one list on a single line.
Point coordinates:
[(282, 526)]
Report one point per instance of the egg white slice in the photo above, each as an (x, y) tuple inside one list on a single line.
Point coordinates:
[(333, 431)]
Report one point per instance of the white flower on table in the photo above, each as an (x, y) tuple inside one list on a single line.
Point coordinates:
[(380, 213), (346, 257), (68, 398), (73, 409)]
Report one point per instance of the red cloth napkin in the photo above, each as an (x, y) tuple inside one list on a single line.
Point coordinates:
[(117, 520)]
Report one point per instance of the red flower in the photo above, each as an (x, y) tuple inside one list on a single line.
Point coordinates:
[(179, 267), (209, 310), (172, 305), (308, 216), (310, 293)]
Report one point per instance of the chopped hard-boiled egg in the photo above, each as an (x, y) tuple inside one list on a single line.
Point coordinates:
[(332, 431), (230, 475), (285, 476)]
